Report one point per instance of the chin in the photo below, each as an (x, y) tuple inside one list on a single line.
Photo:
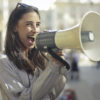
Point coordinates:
[(31, 47)]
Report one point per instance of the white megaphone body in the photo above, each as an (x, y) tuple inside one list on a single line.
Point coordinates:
[(85, 36)]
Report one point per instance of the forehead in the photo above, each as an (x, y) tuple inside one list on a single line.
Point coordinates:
[(31, 16)]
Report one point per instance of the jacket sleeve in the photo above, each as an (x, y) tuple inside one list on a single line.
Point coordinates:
[(47, 81)]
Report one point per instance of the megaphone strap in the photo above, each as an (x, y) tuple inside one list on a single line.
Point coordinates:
[(52, 53)]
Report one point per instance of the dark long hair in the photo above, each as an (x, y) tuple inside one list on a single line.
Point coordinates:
[(13, 44)]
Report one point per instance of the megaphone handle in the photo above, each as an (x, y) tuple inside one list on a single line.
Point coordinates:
[(52, 53)]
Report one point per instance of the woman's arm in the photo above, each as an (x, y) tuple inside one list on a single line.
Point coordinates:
[(46, 81)]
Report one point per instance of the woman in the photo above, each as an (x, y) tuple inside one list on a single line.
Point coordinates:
[(25, 72)]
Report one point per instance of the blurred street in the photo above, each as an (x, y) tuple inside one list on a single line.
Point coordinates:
[(88, 86)]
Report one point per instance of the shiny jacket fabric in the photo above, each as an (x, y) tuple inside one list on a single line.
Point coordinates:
[(16, 84)]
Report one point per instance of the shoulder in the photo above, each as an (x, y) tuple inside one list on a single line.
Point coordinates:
[(2, 56), (3, 59), (5, 63)]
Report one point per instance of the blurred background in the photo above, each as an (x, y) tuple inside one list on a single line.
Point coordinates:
[(59, 15)]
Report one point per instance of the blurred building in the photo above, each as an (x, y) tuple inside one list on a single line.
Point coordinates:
[(61, 15)]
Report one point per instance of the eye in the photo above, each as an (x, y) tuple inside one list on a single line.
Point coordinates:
[(27, 24), (38, 24)]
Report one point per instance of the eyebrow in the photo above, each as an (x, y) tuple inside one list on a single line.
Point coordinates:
[(31, 22)]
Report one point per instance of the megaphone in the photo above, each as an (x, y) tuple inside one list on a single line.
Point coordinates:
[(85, 37)]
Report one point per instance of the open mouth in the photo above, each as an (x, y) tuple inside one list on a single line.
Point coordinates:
[(30, 39)]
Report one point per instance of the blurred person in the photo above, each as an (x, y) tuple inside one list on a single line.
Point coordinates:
[(74, 66), (69, 94), (73, 58), (98, 64), (25, 72)]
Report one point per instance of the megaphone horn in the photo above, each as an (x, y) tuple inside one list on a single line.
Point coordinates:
[(84, 36)]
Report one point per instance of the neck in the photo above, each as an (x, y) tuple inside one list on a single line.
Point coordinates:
[(25, 53)]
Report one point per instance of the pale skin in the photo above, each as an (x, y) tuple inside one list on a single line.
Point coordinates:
[(27, 27)]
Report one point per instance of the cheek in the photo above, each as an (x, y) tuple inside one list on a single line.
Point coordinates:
[(38, 30), (22, 32), (22, 35)]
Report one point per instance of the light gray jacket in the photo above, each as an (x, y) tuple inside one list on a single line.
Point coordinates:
[(16, 84)]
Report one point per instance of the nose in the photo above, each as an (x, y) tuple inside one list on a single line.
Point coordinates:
[(34, 29)]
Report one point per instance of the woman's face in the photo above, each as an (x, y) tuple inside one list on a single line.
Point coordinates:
[(27, 27)]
